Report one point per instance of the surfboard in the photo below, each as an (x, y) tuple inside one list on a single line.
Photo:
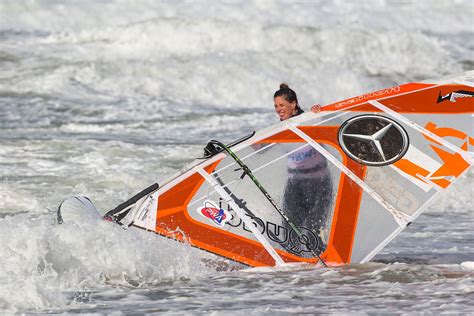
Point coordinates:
[(337, 185)]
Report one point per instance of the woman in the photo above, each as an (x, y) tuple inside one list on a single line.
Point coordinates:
[(308, 190), (286, 103)]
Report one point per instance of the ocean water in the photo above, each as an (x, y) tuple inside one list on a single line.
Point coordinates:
[(103, 98)]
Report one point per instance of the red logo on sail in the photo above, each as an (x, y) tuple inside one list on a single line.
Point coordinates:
[(217, 215)]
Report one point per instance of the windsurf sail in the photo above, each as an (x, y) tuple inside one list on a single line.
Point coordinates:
[(348, 179), (131, 208), (247, 172)]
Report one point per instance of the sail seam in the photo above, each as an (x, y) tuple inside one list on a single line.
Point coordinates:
[(423, 130), (220, 190), (254, 170), (401, 218)]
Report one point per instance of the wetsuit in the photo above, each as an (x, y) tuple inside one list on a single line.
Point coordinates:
[(308, 190)]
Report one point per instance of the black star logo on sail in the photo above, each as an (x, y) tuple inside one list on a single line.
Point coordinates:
[(373, 140), (455, 95)]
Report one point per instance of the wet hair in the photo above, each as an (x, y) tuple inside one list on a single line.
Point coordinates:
[(289, 95)]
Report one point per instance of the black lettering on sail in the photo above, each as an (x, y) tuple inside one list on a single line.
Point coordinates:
[(277, 233), (234, 221), (258, 223)]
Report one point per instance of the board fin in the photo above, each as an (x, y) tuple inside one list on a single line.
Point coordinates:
[(76, 209)]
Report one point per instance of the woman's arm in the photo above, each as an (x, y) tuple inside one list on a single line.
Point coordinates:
[(316, 108)]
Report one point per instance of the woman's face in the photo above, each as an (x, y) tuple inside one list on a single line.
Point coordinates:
[(283, 108)]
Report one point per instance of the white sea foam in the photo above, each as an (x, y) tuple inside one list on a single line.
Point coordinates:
[(43, 261), (181, 58), (423, 235), (467, 265), (457, 198), (17, 200)]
